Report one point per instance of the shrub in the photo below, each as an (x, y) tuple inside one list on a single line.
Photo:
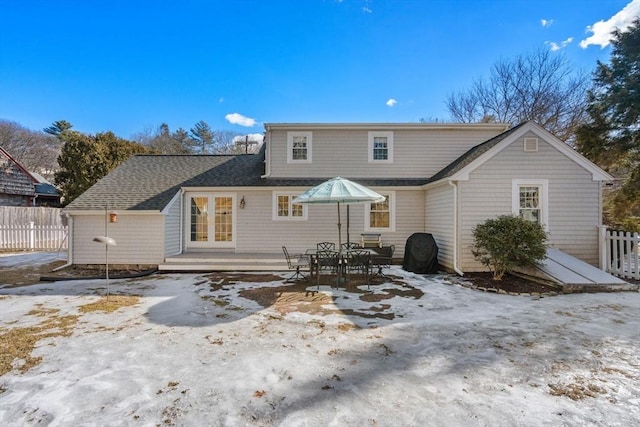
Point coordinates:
[(508, 241)]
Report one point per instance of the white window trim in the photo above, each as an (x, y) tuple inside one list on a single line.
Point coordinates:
[(392, 214), (543, 184), (290, 136), (389, 136), (274, 204)]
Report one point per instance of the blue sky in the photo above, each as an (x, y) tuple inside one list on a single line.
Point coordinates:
[(126, 66)]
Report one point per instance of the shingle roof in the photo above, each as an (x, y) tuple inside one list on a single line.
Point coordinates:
[(149, 182), (472, 154)]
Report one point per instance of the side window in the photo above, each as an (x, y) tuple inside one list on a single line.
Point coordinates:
[(381, 216), (530, 200), (285, 209), (380, 147), (299, 146)]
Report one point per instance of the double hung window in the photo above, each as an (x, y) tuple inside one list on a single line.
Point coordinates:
[(530, 200), (381, 216), (380, 147), (299, 146), (285, 209)]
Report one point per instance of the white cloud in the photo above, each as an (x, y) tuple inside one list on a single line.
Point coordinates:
[(601, 30), (391, 102), (239, 119), (546, 22), (555, 46)]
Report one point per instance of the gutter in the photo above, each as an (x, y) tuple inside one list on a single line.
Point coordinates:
[(69, 243), (455, 228)]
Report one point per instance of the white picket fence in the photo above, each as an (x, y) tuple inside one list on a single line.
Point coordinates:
[(619, 253), (33, 237)]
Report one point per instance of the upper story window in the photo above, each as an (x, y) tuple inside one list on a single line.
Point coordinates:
[(299, 147), (381, 216), (285, 209), (381, 147), (530, 200)]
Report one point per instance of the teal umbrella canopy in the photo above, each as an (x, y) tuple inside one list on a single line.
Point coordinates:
[(339, 190)]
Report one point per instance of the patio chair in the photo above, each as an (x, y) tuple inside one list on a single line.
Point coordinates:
[(326, 246), (327, 262), (383, 259), (359, 262), (349, 245), (301, 262)]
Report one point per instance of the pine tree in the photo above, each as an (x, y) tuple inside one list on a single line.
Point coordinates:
[(611, 137)]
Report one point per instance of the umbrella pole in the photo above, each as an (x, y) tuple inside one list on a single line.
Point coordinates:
[(348, 239), (339, 230)]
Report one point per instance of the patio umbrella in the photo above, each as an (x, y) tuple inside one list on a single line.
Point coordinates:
[(340, 191)]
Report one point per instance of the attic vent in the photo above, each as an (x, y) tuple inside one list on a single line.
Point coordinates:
[(530, 144)]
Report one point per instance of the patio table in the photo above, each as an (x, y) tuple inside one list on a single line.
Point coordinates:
[(343, 260)]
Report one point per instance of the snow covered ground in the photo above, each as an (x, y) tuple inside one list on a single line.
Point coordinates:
[(417, 353)]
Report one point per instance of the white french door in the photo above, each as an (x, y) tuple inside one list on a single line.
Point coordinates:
[(210, 219)]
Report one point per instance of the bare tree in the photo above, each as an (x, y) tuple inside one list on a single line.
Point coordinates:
[(162, 141), (541, 86), (225, 142), (36, 151)]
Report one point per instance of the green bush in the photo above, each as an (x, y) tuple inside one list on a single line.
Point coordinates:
[(508, 241)]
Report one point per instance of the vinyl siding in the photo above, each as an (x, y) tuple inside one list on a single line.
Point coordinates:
[(172, 229), (258, 232), (439, 221), (344, 152), (574, 199), (139, 239)]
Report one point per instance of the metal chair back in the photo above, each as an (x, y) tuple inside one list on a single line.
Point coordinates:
[(326, 246)]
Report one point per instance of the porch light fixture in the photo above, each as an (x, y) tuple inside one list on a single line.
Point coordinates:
[(242, 203)]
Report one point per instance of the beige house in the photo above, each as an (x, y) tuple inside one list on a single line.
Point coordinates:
[(441, 179)]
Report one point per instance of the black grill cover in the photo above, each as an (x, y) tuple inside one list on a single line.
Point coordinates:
[(421, 254)]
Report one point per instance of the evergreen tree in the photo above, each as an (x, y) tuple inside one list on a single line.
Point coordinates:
[(58, 127), (611, 137), (85, 159), (202, 137)]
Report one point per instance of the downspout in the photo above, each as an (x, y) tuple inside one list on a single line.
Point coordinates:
[(455, 228), (69, 244), (181, 248)]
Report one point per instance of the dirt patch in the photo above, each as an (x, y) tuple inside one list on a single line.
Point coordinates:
[(16, 344), (30, 275), (578, 390), (509, 283), (110, 304), (25, 276), (303, 296)]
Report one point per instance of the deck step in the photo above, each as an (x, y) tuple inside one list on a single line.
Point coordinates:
[(221, 267), (224, 262)]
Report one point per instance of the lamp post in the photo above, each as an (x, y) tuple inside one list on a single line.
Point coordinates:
[(109, 216)]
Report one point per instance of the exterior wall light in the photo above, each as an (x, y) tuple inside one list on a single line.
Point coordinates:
[(242, 203)]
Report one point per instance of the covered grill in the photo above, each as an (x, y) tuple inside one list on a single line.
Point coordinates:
[(421, 254)]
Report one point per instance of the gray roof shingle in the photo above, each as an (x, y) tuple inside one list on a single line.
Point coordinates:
[(149, 182), (472, 154)]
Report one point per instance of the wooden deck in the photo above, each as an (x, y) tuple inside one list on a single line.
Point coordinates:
[(225, 261)]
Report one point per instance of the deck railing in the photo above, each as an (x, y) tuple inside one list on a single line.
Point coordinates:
[(619, 253), (33, 237)]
